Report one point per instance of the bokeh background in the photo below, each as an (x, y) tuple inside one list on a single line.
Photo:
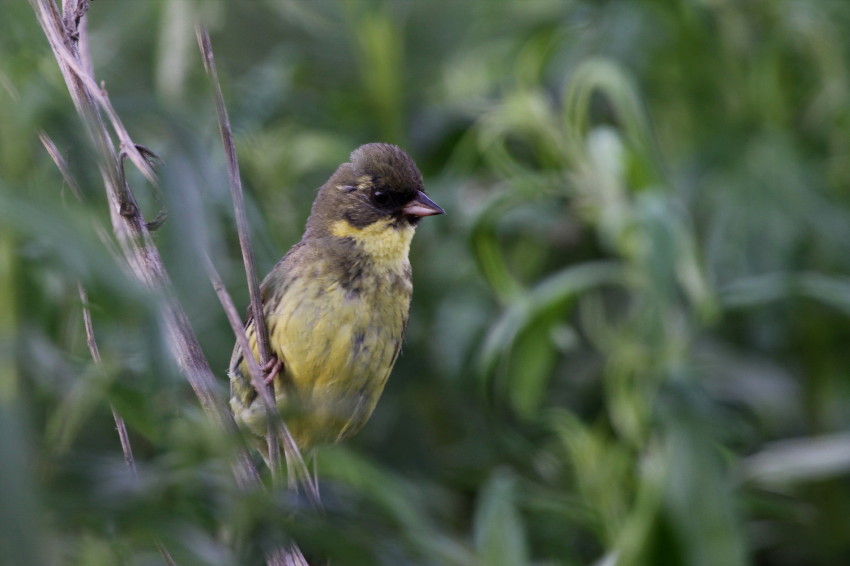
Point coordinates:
[(630, 336)]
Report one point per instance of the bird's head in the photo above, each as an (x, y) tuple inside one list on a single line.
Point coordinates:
[(374, 199)]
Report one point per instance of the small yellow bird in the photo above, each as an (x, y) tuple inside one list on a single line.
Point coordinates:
[(336, 305)]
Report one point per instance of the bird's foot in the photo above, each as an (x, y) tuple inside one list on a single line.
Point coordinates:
[(271, 369)]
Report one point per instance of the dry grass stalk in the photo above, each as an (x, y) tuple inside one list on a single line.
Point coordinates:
[(128, 224), (66, 36), (278, 434)]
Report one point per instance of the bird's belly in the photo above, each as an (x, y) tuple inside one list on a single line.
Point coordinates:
[(338, 348)]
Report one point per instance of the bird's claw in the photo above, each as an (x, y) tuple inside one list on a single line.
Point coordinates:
[(271, 369)]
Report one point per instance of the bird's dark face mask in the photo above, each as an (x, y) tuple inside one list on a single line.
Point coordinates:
[(370, 201)]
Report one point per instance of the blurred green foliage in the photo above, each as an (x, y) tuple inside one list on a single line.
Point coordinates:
[(629, 335)]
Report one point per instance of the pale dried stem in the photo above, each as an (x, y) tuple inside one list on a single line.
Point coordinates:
[(236, 194), (120, 425), (61, 164), (65, 171), (91, 342), (278, 434), (67, 39), (129, 226)]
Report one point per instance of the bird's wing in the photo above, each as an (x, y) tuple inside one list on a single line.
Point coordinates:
[(240, 380)]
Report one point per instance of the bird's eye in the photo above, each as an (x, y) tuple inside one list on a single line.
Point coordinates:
[(381, 198)]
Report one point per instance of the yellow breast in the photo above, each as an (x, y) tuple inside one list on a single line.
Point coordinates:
[(338, 337)]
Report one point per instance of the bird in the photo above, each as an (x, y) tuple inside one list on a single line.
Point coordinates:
[(336, 305)]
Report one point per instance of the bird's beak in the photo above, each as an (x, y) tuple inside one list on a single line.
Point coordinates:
[(422, 206)]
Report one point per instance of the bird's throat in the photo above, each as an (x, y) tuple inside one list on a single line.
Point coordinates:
[(386, 243)]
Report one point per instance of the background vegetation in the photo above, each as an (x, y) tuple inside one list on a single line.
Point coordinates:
[(629, 337)]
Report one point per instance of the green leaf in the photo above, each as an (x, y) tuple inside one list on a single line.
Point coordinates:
[(561, 286), (499, 531)]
